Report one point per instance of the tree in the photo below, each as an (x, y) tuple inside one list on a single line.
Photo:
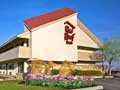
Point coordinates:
[(111, 50)]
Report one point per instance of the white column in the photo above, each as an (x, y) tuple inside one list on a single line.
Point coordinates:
[(25, 44), (25, 67)]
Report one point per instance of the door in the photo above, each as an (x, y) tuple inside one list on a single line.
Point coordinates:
[(20, 67)]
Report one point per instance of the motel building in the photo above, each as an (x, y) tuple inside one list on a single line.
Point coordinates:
[(56, 36)]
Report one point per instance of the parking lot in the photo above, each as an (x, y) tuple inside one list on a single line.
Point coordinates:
[(109, 83)]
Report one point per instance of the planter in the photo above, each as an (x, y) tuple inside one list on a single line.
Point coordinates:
[(90, 88)]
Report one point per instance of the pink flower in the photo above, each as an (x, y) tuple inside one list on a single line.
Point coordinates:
[(58, 77)]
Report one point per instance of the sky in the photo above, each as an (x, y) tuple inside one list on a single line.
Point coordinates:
[(102, 17)]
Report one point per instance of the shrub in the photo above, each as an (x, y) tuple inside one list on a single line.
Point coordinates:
[(88, 84), (37, 82), (86, 72), (62, 83), (55, 71)]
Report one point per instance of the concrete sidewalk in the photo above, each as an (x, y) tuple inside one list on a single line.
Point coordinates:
[(6, 77)]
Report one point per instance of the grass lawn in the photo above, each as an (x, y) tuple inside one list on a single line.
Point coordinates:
[(14, 85)]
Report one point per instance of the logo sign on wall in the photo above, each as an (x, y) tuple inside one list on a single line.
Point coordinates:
[(69, 35)]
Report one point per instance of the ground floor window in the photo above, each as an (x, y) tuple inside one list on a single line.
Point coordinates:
[(0, 66), (20, 67), (11, 66)]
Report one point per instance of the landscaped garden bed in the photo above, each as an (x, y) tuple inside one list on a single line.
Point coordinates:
[(67, 82)]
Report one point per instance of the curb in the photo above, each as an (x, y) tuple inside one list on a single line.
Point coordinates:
[(95, 77), (109, 76), (91, 88)]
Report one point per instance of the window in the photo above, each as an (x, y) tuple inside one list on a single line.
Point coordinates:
[(0, 66), (11, 66), (21, 67), (4, 67)]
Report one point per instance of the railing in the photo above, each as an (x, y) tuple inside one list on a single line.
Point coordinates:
[(17, 52)]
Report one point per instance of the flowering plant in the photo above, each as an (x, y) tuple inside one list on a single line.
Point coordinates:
[(58, 80), (57, 77)]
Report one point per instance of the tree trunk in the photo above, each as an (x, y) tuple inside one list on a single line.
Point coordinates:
[(103, 68), (110, 67)]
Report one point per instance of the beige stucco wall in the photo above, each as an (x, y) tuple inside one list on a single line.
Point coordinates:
[(85, 55), (17, 52), (10, 54), (84, 40), (24, 52), (24, 35), (48, 42)]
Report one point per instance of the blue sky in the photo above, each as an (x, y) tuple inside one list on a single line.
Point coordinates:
[(102, 17)]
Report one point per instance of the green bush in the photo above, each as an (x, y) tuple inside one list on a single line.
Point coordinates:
[(86, 72), (74, 83), (55, 71), (37, 82), (88, 84), (62, 83)]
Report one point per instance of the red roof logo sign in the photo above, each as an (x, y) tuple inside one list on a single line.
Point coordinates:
[(69, 35)]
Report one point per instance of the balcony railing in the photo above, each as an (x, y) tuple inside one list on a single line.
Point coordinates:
[(17, 52)]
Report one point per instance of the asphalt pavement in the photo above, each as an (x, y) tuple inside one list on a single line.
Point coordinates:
[(109, 83)]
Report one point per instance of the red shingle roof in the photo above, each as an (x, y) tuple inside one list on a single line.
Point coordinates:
[(49, 17)]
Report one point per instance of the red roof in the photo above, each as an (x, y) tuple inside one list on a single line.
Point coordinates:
[(49, 17)]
